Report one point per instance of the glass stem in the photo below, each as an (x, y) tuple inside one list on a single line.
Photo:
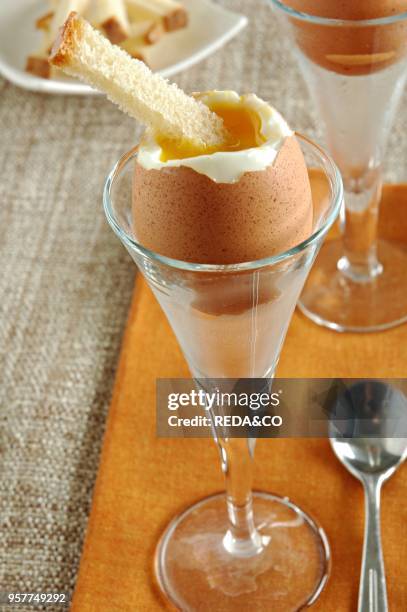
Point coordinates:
[(242, 538), (359, 226)]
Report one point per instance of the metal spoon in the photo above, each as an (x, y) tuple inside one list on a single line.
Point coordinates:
[(368, 433)]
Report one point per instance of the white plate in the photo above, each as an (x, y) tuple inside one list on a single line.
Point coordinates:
[(210, 27)]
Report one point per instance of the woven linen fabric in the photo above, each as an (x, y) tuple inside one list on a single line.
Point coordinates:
[(65, 288)]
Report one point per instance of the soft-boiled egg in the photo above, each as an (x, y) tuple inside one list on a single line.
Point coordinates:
[(249, 200)]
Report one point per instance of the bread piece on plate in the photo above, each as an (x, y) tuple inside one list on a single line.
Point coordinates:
[(154, 33), (62, 9), (111, 17), (44, 22), (37, 62), (148, 32), (85, 53), (38, 65), (172, 14)]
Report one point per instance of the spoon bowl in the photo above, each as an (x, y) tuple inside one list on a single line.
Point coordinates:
[(367, 456), (368, 434)]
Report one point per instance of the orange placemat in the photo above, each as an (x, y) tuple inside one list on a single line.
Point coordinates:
[(144, 481)]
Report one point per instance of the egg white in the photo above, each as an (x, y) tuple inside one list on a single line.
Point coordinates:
[(226, 167)]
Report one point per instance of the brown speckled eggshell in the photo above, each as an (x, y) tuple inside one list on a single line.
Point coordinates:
[(182, 214)]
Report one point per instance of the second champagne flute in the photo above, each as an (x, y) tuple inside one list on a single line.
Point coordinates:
[(355, 69)]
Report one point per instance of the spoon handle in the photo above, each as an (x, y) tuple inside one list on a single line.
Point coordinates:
[(372, 589)]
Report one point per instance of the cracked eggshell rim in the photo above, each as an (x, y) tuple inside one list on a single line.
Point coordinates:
[(226, 167)]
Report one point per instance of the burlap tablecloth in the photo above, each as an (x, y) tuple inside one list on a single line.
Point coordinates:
[(65, 287)]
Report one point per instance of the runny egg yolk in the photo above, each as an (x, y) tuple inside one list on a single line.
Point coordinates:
[(242, 123)]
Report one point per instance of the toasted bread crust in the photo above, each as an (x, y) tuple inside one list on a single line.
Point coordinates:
[(176, 20), (63, 49), (154, 33), (38, 66), (114, 30), (44, 22)]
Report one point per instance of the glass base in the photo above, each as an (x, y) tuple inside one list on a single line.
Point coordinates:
[(196, 572), (333, 300)]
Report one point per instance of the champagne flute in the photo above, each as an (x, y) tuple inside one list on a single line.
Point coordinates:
[(239, 549)]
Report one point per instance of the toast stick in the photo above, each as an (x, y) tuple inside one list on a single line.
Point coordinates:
[(83, 52)]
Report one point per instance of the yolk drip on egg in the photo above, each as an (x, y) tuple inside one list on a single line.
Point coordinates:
[(242, 123)]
